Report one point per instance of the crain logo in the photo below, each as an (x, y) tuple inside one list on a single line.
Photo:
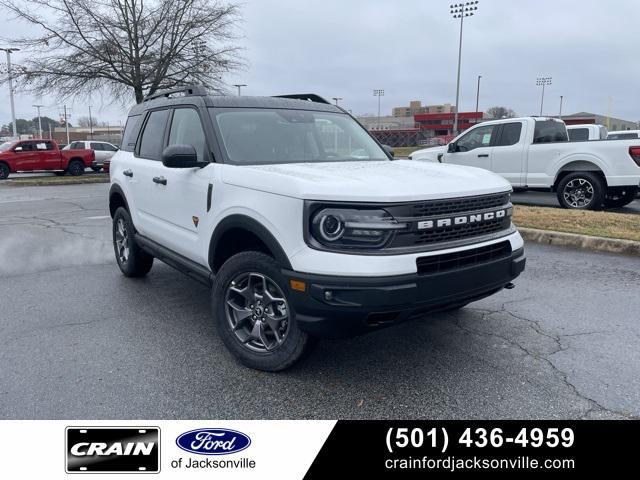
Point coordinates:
[(117, 450), (463, 219), (213, 441)]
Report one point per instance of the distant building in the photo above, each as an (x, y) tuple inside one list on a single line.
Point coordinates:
[(611, 123), (415, 108), (111, 134)]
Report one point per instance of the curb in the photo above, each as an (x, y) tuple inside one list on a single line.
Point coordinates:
[(44, 183), (587, 242)]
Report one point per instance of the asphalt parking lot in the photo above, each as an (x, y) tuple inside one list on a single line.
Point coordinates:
[(78, 340)]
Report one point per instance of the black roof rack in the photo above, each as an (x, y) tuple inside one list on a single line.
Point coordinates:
[(309, 97), (187, 90)]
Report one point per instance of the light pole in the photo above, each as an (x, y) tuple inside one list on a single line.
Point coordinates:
[(560, 112), (239, 86), (543, 82), (477, 98), (10, 78), (39, 122), (379, 92), (90, 124), (460, 10), (336, 99)]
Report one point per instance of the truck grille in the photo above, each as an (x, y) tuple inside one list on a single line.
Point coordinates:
[(438, 222), (465, 258)]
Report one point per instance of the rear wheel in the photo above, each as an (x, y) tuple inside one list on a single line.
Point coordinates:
[(4, 171), (132, 260), (581, 191), (253, 315), (620, 199), (76, 168)]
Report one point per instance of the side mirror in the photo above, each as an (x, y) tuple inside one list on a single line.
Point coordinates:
[(17, 149), (451, 148), (180, 156), (389, 150)]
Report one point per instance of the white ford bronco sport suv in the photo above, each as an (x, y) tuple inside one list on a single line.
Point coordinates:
[(301, 223)]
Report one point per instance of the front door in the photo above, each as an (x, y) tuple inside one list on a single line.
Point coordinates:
[(24, 156), (474, 148)]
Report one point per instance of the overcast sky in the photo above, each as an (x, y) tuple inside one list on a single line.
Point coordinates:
[(347, 48)]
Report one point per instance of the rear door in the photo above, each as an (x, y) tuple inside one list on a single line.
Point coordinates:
[(507, 157), (473, 148), (48, 157), (98, 148)]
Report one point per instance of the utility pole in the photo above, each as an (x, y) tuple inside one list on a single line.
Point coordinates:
[(560, 113), (66, 123), (477, 98), (239, 86), (10, 78), (90, 124), (39, 122), (378, 93), (461, 10), (543, 82)]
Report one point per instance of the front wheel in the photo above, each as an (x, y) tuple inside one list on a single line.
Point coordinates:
[(581, 191), (4, 171), (621, 199), (253, 315), (132, 260)]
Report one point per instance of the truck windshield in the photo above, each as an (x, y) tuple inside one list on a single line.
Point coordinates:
[(261, 136), (550, 131), (5, 146)]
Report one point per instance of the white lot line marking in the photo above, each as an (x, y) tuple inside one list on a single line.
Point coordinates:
[(99, 217)]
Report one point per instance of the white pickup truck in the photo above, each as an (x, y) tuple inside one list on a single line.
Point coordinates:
[(586, 131), (534, 153)]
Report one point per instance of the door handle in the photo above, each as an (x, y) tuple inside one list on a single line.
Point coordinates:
[(128, 173), (160, 180), (481, 155)]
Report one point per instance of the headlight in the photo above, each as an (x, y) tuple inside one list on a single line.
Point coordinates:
[(353, 227)]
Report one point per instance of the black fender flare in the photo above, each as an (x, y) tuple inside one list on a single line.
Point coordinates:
[(116, 189), (251, 225)]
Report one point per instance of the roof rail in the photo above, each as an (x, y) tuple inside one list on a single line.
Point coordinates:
[(187, 90), (309, 97)]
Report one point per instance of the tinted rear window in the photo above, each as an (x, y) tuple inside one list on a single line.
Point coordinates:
[(131, 130), (621, 136), (547, 131), (510, 134), (578, 134)]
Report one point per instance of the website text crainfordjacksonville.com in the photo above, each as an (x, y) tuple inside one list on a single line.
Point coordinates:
[(452, 463)]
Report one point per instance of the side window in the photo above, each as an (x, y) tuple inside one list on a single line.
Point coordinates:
[(153, 135), (96, 146), (578, 134), (510, 134), (107, 147), (76, 145), (27, 146), (478, 137), (131, 130), (547, 131), (186, 129)]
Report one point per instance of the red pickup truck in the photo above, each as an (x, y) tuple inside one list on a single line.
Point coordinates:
[(30, 155)]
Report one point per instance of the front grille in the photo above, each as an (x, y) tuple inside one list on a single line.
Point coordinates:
[(465, 258), (448, 234), (457, 205)]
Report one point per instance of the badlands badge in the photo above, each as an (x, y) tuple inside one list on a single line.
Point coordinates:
[(112, 449)]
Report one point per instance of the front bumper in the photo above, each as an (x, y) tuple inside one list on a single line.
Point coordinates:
[(333, 306)]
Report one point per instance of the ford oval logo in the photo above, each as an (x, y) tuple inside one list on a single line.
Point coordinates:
[(213, 441)]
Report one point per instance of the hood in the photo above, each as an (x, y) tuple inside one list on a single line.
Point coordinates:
[(366, 181)]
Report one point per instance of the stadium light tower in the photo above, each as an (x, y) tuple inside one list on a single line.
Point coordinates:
[(239, 87), (543, 82), (461, 10), (337, 99), (378, 93)]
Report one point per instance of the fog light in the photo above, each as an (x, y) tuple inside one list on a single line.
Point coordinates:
[(328, 295)]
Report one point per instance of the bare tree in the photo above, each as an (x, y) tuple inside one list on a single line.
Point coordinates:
[(90, 122), (125, 47), (501, 112)]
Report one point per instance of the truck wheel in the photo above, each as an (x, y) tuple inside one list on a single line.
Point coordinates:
[(4, 171), (253, 316), (581, 191), (132, 260), (76, 168), (621, 199)]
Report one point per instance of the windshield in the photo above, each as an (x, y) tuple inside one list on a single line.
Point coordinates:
[(5, 146), (260, 136)]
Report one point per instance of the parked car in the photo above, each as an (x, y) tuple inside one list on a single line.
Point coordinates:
[(623, 134), (584, 132), (428, 154), (297, 238), (30, 155), (534, 153), (104, 151)]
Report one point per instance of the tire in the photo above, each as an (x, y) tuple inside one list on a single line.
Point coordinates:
[(622, 199), (4, 171), (132, 260), (76, 168), (239, 300), (581, 191), (96, 169)]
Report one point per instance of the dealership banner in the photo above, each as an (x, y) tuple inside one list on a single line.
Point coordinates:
[(313, 449)]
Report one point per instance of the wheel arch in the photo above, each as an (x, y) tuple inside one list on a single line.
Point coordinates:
[(228, 238), (5, 162), (117, 199), (578, 166)]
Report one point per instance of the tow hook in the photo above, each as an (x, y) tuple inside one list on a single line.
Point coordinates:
[(509, 286)]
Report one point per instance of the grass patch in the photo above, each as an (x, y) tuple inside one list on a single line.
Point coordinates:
[(583, 222), (405, 151), (66, 180)]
